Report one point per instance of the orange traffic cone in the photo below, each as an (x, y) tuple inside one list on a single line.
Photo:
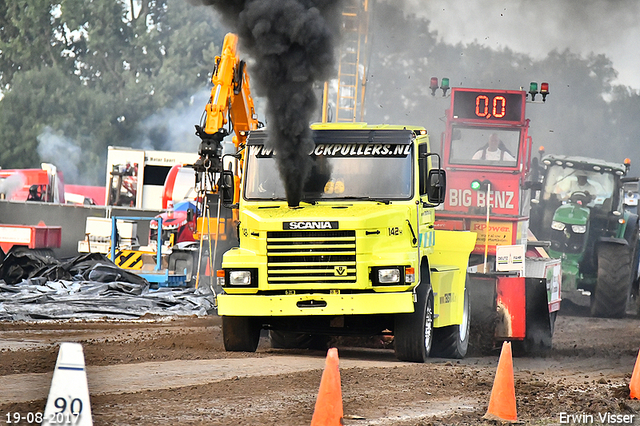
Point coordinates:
[(328, 410), (502, 405), (634, 384)]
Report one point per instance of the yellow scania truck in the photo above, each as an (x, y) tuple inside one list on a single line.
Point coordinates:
[(359, 255)]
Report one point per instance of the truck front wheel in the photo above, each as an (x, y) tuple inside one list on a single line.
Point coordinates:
[(413, 332), (453, 341), (240, 334), (614, 279)]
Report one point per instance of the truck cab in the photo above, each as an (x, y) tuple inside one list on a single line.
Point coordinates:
[(487, 154), (514, 285), (358, 256)]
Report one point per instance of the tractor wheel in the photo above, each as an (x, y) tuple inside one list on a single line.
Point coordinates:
[(413, 333), (614, 279), (453, 341), (631, 235), (240, 334), (295, 340)]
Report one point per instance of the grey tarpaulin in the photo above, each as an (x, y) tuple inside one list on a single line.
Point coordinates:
[(27, 264), (89, 286)]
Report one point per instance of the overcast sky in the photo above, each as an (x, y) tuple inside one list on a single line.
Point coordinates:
[(536, 27)]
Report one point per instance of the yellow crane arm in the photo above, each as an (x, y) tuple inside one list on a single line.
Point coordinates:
[(230, 95), (222, 80), (230, 100)]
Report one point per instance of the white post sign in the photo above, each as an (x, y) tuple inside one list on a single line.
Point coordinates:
[(510, 258)]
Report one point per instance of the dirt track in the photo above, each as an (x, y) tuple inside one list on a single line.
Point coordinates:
[(174, 371)]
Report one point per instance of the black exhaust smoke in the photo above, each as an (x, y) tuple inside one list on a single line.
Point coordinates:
[(292, 43)]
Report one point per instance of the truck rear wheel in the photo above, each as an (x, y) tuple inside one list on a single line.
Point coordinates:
[(240, 334), (413, 333), (614, 279), (453, 341)]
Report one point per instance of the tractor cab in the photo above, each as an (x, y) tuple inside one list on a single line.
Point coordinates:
[(585, 209), (590, 184)]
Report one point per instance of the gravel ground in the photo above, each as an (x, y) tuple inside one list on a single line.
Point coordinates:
[(174, 370)]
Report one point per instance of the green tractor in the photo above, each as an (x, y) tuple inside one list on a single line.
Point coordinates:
[(581, 210)]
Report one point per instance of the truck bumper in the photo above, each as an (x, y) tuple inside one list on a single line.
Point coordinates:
[(315, 304)]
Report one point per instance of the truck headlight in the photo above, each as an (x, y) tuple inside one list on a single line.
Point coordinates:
[(240, 278), (246, 278), (579, 229), (558, 226), (389, 275), (392, 275)]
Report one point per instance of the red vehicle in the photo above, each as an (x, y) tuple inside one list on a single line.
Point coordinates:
[(34, 237), (178, 224), (45, 184), (487, 156), (178, 186)]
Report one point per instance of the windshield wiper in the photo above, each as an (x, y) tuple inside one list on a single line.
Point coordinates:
[(313, 201), (378, 200)]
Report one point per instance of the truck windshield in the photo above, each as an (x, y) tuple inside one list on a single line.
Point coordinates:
[(484, 146), (359, 172)]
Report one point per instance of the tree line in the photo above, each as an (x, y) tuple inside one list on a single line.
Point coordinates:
[(88, 75), (584, 112)]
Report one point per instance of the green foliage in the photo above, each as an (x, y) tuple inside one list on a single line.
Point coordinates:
[(91, 72), (28, 37)]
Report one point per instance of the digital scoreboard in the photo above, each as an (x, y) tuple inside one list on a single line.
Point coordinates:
[(489, 105)]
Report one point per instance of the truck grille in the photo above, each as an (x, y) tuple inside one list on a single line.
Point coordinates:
[(311, 257)]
